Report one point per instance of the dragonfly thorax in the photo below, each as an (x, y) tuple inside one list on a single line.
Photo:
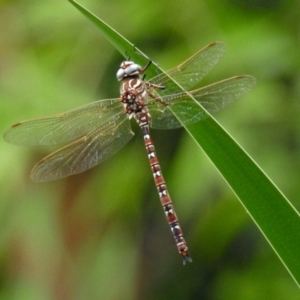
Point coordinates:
[(128, 69), (134, 95)]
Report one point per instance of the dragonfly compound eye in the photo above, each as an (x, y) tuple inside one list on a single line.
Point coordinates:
[(120, 74), (128, 69), (133, 69)]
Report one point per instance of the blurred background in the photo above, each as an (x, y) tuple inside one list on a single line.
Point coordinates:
[(102, 234)]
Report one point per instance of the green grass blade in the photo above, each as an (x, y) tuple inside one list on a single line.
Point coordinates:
[(126, 48), (270, 210)]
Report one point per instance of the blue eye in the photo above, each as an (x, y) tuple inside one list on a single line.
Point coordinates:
[(120, 74), (128, 69), (133, 70)]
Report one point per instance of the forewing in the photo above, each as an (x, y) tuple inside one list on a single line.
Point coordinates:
[(213, 98), (84, 153), (190, 72), (64, 127)]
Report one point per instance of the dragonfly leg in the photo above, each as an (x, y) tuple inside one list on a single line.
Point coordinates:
[(146, 67), (157, 99)]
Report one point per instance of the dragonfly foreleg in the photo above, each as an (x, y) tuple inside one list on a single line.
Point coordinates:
[(157, 99)]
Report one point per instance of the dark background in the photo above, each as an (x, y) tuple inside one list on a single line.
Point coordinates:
[(102, 234)]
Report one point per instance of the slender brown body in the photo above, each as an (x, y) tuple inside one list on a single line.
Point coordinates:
[(164, 196), (134, 95)]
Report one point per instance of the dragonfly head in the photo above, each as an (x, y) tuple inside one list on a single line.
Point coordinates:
[(128, 69)]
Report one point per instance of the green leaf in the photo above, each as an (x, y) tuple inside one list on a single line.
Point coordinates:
[(273, 214)]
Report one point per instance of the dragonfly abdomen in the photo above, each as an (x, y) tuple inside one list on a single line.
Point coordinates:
[(164, 196)]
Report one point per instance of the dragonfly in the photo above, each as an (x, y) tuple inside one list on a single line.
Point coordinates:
[(96, 131)]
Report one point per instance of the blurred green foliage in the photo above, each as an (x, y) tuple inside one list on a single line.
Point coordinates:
[(102, 234)]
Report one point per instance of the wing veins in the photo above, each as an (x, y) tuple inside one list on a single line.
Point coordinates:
[(84, 153), (63, 127)]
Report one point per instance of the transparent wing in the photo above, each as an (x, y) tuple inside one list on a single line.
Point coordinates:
[(86, 152), (213, 98), (190, 72), (64, 127)]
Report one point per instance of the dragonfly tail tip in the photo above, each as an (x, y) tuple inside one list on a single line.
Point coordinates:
[(187, 258)]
